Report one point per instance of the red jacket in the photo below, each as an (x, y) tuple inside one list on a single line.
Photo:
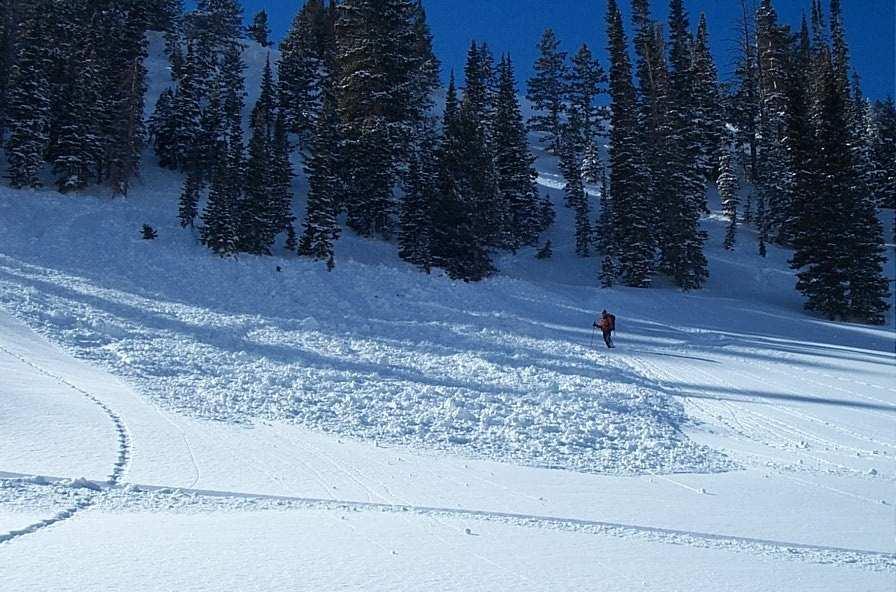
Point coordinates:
[(607, 323)]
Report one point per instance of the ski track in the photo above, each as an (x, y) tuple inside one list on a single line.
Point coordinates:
[(749, 423), (871, 560), (118, 469)]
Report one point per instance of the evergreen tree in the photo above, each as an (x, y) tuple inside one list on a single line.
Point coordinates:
[(820, 255), (160, 128), (592, 167), (477, 96), (708, 115), (682, 241), (219, 22), (426, 66), (884, 152), (9, 18), (744, 103), (259, 223), (189, 199), (126, 133), (575, 194), (631, 218), (798, 136), (377, 69), (303, 68), (259, 31), (518, 197), (163, 15), (653, 96), (774, 174), (604, 240), (840, 266), (585, 85), (728, 191), (490, 214), (219, 225), (324, 185), (547, 91), (280, 184), (28, 109), (78, 147), (420, 192), (763, 225), (456, 247), (184, 122)]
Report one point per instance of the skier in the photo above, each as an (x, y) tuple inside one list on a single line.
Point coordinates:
[(607, 324)]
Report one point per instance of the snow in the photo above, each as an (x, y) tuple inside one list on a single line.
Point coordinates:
[(208, 424), (370, 350)]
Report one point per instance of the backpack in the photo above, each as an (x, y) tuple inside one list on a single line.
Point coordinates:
[(611, 321)]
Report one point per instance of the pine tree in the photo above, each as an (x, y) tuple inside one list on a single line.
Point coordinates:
[(575, 193), (743, 105), (586, 83), (303, 68), (477, 95), (258, 224), (819, 251), (324, 185), (728, 191), (682, 241), (420, 191), (163, 15), (280, 184), (189, 199), (798, 135), (518, 197), (604, 240), (774, 174), (29, 104), (377, 69), (127, 134), (607, 272), (869, 292), (490, 214), (707, 102), (456, 247), (840, 266), (184, 122), (631, 212), (78, 148), (425, 80), (160, 128), (223, 213), (259, 31), (547, 90), (884, 152), (220, 21), (653, 96), (219, 224), (763, 224), (592, 167), (8, 20)]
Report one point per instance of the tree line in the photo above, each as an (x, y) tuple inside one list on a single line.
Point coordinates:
[(793, 147)]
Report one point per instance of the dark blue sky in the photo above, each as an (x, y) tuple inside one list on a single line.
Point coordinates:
[(515, 26)]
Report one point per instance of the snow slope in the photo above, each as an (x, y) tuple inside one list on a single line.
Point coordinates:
[(376, 428)]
